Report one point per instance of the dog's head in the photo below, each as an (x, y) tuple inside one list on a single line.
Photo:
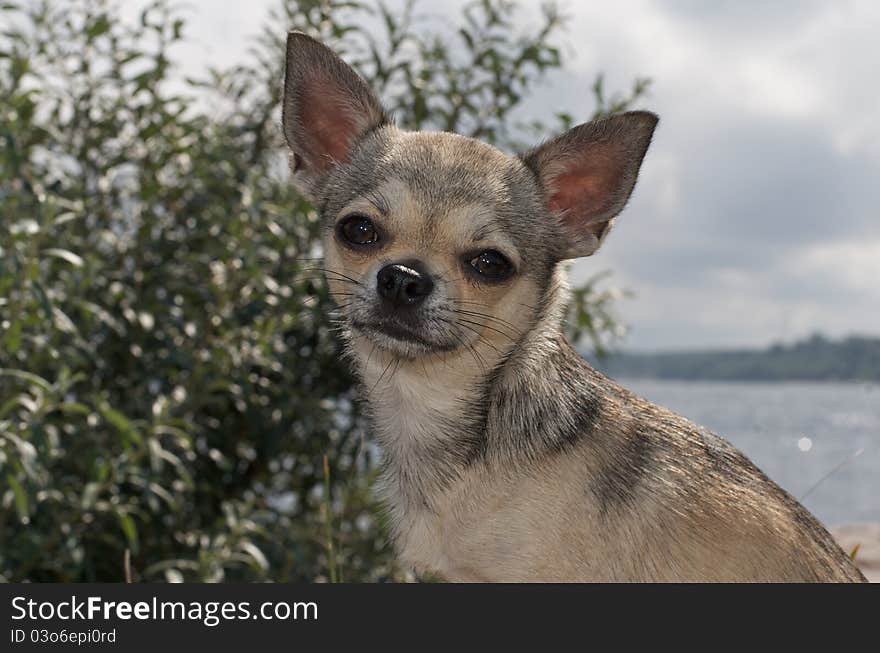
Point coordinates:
[(435, 241)]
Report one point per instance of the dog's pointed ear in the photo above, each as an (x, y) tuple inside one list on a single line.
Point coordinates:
[(327, 109), (588, 174)]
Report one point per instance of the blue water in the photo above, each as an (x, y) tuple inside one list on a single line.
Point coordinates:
[(797, 433)]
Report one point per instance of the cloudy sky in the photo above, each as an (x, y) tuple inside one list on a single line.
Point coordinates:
[(757, 215)]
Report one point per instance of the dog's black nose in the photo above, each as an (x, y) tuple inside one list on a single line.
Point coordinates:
[(403, 284)]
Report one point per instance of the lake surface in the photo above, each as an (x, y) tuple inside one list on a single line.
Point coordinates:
[(797, 433)]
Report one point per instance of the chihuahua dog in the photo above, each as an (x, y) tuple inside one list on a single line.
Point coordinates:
[(507, 456)]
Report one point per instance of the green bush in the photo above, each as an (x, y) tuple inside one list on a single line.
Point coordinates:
[(170, 383)]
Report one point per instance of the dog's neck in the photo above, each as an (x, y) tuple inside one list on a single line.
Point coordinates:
[(435, 416)]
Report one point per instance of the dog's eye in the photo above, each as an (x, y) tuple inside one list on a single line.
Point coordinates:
[(358, 230), (492, 265)]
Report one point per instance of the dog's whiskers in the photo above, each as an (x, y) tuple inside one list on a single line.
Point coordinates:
[(339, 276), (384, 372), (488, 318), (479, 335)]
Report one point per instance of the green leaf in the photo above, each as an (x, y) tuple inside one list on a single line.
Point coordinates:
[(43, 298), (254, 552), (74, 408), (855, 551), (64, 218), (129, 528), (12, 337), (62, 321), (121, 423), (23, 400), (74, 259), (21, 499), (30, 377), (100, 26), (90, 495)]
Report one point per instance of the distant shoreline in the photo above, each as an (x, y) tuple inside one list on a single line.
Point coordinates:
[(851, 360), (633, 377)]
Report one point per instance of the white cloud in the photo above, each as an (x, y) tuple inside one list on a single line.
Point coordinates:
[(854, 265)]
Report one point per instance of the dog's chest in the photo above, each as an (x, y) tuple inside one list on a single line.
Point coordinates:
[(414, 427), (446, 538), (421, 542), (425, 439), (488, 526), (454, 512)]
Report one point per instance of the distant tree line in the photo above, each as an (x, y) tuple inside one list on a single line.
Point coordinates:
[(817, 358)]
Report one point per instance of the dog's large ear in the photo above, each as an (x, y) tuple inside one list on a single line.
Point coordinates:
[(327, 108), (588, 174)]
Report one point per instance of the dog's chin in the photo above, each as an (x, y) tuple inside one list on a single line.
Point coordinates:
[(401, 340)]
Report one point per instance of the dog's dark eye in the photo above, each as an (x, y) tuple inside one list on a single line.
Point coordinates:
[(358, 230), (492, 265)]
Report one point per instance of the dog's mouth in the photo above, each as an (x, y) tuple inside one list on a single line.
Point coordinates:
[(392, 329), (401, 337)]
